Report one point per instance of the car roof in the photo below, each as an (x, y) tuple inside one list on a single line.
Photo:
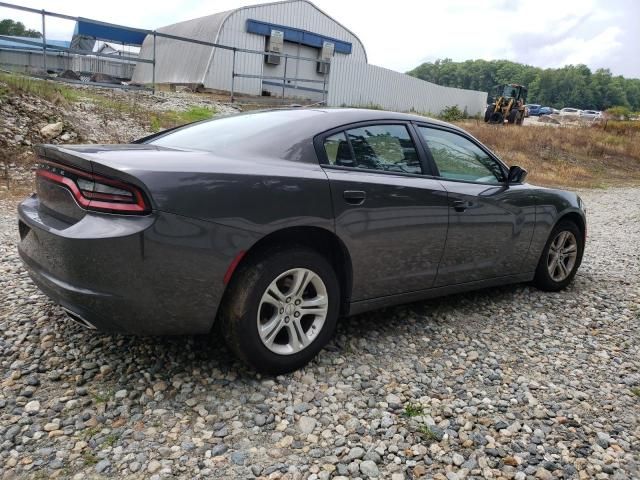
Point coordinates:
[(288, 132), (345, 115)]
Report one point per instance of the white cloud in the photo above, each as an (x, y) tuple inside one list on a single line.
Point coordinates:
[(402, 33)]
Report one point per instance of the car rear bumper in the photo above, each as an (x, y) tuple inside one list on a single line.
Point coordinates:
[(159, 274)]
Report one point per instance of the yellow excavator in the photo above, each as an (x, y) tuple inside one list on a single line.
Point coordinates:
[(508, 105)]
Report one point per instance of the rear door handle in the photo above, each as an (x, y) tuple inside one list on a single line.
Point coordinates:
[(354, 197)]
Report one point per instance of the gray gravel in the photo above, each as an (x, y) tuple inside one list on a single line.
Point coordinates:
[(506, 383)]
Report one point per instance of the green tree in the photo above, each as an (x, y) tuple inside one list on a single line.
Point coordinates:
[(570, 86), (17, 29)]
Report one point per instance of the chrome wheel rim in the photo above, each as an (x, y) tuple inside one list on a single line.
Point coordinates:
[(563, 252), (292, 311)]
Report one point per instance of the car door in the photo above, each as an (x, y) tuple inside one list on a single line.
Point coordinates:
[(392, 219), (490, 224)]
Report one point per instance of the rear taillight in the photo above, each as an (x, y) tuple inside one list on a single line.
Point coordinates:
[(95, 192)]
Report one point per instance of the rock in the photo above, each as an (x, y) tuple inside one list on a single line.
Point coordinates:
[(457, 459), (419, 471), (306, 424), (393, 399), (120, 394), (32, 407), (102, 466), (51, 426), (603, 439), (154, 466), (369, 468), (238, 458), (355, 453), (52, 130), (543, 474)]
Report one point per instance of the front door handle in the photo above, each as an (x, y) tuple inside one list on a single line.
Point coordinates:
[(354, 197), (460, 205)]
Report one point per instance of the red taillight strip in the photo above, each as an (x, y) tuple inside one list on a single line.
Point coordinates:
[(67, 182), (138, 207)]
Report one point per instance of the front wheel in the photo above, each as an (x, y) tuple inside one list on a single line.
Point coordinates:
[(281, 309), (560, 258)]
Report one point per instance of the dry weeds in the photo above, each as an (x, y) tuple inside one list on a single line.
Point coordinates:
[(598, 155)]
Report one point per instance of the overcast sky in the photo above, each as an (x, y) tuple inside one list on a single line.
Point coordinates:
[(401, 34)]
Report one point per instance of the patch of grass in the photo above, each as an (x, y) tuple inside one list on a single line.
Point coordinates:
[(195, 114), (50, 91), (89, 458), (102, 397), (368, 106), (427, 433), (412, 410), (110, 440), (171, 118), (156, 125), (636, 391), (91, 432)]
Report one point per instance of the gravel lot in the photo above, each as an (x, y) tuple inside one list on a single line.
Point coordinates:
[(505, 383)]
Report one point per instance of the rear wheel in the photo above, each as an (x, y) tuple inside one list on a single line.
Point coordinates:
[(513, 115), (560, 258), (281, 309), (496, 118)]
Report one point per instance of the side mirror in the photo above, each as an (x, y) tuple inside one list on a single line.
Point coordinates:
[(516, 175)]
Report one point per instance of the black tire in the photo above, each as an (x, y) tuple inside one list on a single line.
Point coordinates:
[(543, 279), (496, 118), (488, 112), (513, 115), (239, 312)]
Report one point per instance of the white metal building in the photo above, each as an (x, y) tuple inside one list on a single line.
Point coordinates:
[(303, 29), (299, 28)]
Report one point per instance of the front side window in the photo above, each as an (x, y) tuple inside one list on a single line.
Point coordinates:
[(460, 159), (375, 147)]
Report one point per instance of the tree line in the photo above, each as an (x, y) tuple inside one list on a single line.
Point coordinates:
[(17, 29), (570, 86)]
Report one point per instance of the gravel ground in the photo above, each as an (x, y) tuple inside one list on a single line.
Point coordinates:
[(504, 383)]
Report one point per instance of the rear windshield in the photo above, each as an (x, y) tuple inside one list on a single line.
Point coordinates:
[(224, 132)]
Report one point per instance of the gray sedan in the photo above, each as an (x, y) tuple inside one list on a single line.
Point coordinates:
[(269, 226)]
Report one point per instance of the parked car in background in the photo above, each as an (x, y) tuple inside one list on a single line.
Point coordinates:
[(590, 114), (545, 111), (270, 225), (534, 109), (570, 112)]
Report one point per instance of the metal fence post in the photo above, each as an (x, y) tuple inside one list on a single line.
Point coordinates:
[(233, 73), (153, 72), (284, 78), (44, 45)]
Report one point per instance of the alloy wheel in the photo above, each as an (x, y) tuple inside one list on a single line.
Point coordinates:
[(563, 253), (292, 311)]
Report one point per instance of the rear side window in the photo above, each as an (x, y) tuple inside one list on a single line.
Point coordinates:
[(338, 150), (457, 158), (374, 147)]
